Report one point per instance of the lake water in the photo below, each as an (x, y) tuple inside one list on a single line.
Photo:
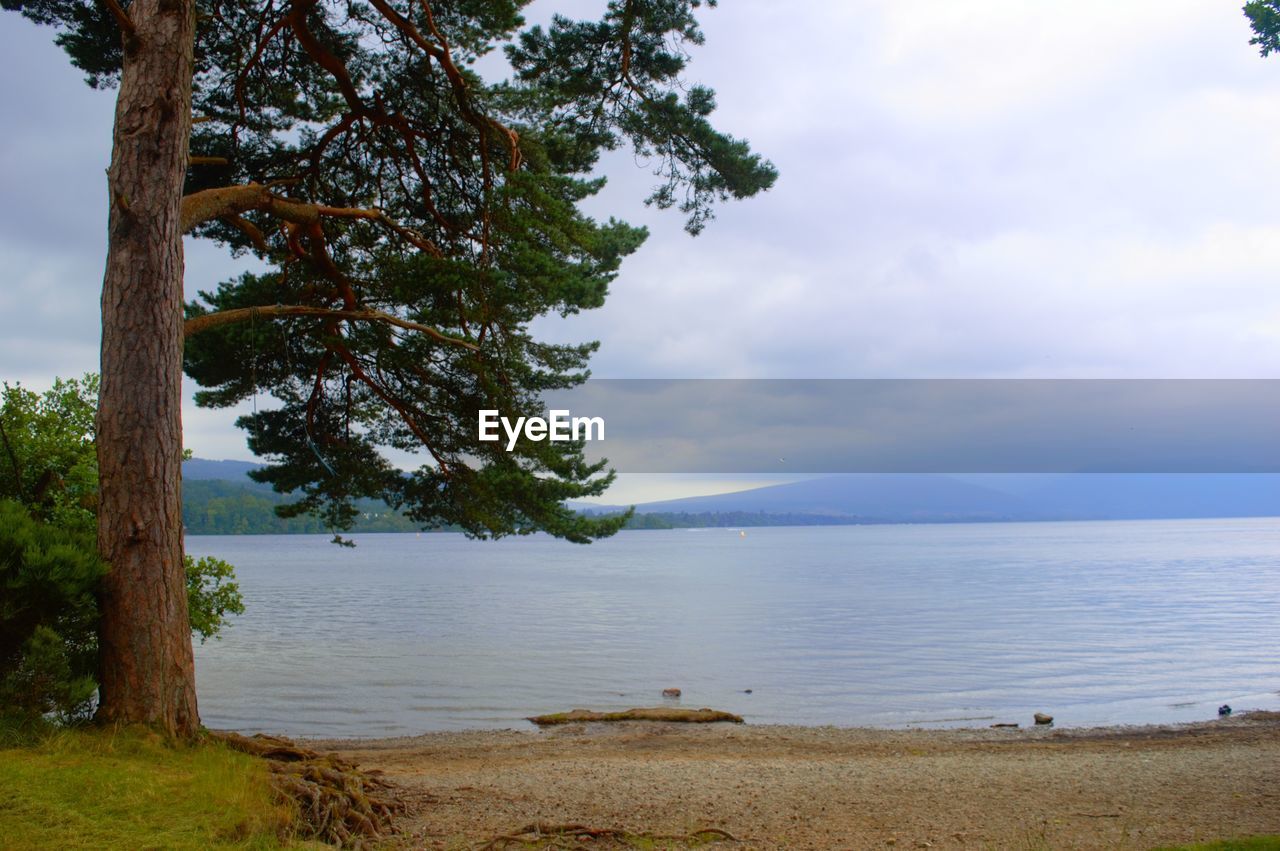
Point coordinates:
[(1095, 623)]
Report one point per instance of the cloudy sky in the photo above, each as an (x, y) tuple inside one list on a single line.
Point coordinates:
[(995, 188)]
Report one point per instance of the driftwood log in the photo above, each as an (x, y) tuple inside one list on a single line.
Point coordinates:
[(654, 713), (542, 834)]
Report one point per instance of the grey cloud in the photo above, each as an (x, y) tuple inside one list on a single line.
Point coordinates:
[(933, 426), (988, 189)]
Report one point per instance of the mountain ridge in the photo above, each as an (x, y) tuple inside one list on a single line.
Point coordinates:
[(925, 498)]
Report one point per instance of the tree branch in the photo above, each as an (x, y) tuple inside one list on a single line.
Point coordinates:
[(383, 394), (250, 230), (122, 19), (209, 204), (196, 324), (297, 18)]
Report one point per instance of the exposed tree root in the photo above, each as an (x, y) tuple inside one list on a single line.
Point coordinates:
[(655, 713), (337, 803), (544, 835)]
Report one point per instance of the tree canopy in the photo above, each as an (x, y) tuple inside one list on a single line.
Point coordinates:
[(1264, 17), (412, 218), (47, 459), (415, 218)]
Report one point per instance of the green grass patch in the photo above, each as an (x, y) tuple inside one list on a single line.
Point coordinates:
[(102, 789)]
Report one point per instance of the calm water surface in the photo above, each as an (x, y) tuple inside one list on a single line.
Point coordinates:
[(1112, 622)]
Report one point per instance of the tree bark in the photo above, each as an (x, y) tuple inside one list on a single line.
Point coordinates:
[(148, 676)]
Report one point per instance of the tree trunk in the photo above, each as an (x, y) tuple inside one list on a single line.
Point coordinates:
[(148, 676)]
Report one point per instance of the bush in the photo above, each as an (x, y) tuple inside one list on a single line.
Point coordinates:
[(45, 681), (49, 566), (48, 616), (49, 613)]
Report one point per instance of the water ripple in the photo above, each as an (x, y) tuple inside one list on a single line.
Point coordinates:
[(885, 625)]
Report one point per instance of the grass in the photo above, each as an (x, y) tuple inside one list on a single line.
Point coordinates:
[(130, 790)]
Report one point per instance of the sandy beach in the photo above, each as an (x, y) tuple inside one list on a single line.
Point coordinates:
[(827, 787)]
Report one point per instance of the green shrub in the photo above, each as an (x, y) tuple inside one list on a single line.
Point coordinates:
[(48, 615), (49, 566), (45, 681)]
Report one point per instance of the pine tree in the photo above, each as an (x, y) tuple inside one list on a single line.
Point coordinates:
[(415, 218)]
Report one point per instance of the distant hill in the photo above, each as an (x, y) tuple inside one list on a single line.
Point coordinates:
[(221, 498), (876, 498), (907, 498), (231, 471)]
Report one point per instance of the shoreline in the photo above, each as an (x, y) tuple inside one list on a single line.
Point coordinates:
[(1009, 721), (774, 786), (1242, 715), (995, 727)]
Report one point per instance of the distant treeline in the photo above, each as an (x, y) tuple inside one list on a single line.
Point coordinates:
[(217, 507), (731, 519), (221, 507)]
